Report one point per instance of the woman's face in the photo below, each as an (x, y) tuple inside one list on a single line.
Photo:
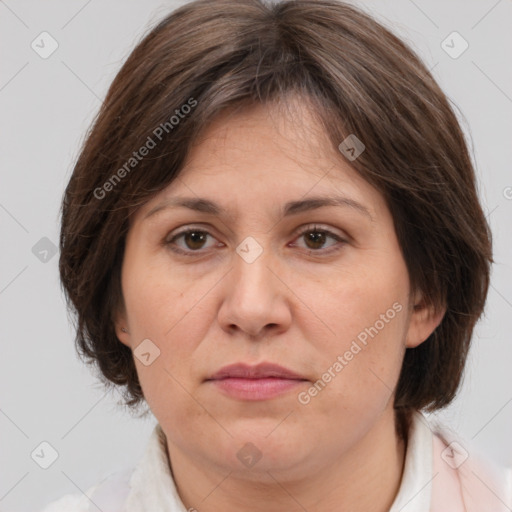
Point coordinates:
[(254, 283)]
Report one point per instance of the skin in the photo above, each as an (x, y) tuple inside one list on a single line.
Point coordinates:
[(300, 304)]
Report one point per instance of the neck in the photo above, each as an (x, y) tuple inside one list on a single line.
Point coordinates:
[(364, 479)]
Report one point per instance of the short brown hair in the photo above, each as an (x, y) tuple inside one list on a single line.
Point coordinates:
[(214, 55)]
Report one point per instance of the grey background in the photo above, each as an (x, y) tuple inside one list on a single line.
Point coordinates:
[(46, 393)]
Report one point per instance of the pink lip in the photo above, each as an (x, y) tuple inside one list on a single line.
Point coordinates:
[(260, 382), (259, 371)]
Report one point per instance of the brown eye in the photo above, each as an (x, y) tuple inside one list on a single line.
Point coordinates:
[(315, 239), (193, 241)]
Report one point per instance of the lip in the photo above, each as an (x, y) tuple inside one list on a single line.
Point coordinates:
[(259, 371), (260, 382)]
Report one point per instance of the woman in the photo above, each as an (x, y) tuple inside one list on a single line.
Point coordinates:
[(272, 236)]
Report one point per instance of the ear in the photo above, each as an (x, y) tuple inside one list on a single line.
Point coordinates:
[(121, 328), (423, 322)]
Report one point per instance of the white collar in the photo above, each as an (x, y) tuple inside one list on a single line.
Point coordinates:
[(152, 484), (415, 490), (153, 487)]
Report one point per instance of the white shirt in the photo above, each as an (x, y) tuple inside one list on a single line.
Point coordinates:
[(150, 486)]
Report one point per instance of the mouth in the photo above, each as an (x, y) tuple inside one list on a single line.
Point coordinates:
[(260, 382)]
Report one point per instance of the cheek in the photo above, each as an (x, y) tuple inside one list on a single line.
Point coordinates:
[(367, 302), (169, 309), (366, 312), (173, 320), (159, 296)]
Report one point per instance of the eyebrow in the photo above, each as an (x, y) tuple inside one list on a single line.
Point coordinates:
[(204, 205)]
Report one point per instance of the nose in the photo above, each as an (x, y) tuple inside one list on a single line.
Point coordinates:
[(256, 298)]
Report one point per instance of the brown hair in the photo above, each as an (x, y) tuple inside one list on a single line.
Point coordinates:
[(214, 55)]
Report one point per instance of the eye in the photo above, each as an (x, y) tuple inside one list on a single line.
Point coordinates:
[(315, 238), (194, 239)]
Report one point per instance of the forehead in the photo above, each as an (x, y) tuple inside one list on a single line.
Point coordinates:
[(266, 157), (285, 133)]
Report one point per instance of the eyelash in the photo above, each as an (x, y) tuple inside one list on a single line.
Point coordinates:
[(308, 229)]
